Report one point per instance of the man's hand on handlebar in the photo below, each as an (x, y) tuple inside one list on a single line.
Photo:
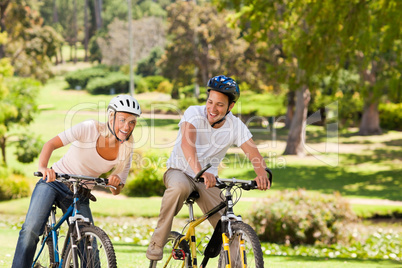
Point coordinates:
[(263, 182), (209, 180)]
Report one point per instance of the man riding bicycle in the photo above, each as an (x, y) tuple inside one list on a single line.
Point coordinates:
[(206, 133)]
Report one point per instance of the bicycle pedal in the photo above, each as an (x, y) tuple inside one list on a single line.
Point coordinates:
[(178, 254)]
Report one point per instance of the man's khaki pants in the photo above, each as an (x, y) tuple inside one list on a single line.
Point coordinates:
[(178, 187)]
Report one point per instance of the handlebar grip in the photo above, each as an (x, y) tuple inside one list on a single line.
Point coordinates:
[(38, 174), (270, 177), (199, 174)]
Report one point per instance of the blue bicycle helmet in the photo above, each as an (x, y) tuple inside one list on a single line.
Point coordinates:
[(225, 85)]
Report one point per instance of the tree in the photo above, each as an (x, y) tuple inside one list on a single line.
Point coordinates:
[(149, 33), (314, 39), (302, 33), (17, 104), (29, 45), (148, 66), (201, 39), (377, 48)]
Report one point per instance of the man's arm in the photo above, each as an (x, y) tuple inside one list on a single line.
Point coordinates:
[(189, 137), (251, 151)]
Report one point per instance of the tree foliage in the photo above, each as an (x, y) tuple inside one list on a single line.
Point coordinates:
[(149, 33), (201, 40), (29, 45), (318, 38), (18, 106)]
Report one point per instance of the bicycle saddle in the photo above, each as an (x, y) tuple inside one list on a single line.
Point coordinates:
[(193, 196)]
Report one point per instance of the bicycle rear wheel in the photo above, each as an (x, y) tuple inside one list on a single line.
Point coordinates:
[(182, 253), (95, 250), (46, 257), (253, 257)]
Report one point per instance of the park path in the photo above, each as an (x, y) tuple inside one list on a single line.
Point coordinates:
[(360, 201)]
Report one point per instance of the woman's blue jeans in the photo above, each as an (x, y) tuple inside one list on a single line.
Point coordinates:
[(42, 199)]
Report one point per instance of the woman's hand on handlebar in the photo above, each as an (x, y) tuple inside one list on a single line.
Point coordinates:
[(209, 180), (48, 174), (114, 180)]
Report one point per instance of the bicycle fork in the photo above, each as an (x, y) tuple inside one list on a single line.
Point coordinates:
[(226, 251)]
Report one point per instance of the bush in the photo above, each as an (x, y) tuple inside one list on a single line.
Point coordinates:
[(29, 147), (12, 186), (80, 78), (154, 81), (300, 218), (113, 83), (165, 87), (147, 173), (391, 115), (187, 102)]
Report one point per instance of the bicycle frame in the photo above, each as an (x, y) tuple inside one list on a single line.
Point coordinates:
[(73, 216), (226, 220), (190, 234)]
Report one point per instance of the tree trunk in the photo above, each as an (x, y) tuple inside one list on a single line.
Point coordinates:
[(86, 38), (75, 31), (3, 149), (175, 92), (55, 14), (61, 54), (290, 108), (297, 131), (98, 11), (370, 124), (3, 7)]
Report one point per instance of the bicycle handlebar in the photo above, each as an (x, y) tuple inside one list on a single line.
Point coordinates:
[(222, 183), (98, 181)]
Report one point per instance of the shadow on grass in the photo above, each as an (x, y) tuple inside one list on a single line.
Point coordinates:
[(326, 179), (375, 156), (394, 143)]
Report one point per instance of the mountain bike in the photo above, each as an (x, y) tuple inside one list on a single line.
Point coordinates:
[(85, 245), (234, 241)]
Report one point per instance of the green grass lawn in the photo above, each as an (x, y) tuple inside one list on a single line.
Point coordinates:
[(361, 167)]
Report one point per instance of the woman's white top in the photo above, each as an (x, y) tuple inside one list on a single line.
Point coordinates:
[(82, 158)]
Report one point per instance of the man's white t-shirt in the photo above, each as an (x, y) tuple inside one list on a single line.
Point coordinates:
[(82, 158), (211, 143)]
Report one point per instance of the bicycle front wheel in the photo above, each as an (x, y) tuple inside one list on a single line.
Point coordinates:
[(174, 258), (244, 248), (46, 257), (94, 249)]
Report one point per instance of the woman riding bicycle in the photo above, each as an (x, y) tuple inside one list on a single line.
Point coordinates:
[(206, 133), (96, 148)]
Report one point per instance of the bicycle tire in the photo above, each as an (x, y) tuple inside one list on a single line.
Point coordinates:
[(167, 259), (46, 257), (254, 255), (94, 242)]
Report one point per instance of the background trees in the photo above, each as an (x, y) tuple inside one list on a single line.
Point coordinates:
[(315, 39), (313, 51)]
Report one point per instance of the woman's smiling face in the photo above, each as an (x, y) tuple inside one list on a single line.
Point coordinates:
[(124, 125)]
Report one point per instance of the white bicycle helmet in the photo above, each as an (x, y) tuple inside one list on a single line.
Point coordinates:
[(126, 104)]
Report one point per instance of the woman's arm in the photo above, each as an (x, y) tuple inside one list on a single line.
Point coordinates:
[(44, 157)]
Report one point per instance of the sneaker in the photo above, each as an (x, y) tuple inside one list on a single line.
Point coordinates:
[(154, 252)]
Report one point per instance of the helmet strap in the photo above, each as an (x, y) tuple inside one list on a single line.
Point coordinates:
[(221, 120)]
